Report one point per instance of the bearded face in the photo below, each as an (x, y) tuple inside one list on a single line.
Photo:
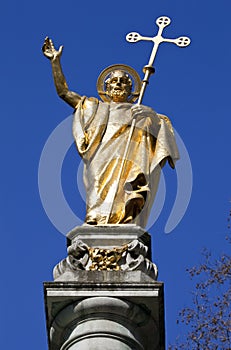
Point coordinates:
[(119, 86)]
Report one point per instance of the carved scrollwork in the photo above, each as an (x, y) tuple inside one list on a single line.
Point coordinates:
[(136, 259), (129, 257), (77, 259)]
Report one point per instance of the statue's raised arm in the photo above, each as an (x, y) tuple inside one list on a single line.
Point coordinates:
[(72, 98)]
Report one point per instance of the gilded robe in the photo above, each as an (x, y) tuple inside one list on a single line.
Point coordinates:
[(101, 131)]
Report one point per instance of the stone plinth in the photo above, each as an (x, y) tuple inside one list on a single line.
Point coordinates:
[(107, 247), (105, 309), (105, 294), (110, 236)]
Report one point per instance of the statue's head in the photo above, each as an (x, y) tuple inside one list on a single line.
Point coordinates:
[(119, 83), (118, 86)]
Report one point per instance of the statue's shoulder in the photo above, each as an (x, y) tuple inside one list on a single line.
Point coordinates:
[(93, 99), (164, 117), (166, 120), (87, 102)]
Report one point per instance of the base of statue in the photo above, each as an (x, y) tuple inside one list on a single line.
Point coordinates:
[(105, 293)]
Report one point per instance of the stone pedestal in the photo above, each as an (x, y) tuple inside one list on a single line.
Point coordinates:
[(105, 294)]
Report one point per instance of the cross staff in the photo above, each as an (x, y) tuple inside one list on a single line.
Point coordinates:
[(133, 37)]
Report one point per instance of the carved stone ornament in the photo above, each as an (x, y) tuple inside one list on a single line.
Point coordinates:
[(129, 257), (106, 259)]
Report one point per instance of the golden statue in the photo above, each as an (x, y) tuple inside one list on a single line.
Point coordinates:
[(123, 145)]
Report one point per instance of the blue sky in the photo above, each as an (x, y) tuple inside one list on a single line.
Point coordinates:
[(191, 86)]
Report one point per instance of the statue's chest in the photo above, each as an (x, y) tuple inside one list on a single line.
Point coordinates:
[(118, 119), (119, 113)]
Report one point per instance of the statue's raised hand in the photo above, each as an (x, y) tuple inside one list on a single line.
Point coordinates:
[(49, 50)]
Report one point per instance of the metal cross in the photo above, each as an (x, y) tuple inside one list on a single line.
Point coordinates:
[(133, 37)]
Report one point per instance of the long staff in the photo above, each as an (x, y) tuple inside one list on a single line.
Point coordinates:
[(134, 37)]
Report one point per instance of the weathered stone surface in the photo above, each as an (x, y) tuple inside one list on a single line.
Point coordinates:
[(117, 311), (95, 277), (109, 236)]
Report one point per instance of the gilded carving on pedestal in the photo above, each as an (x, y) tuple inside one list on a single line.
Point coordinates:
[(106, 259), (129, 257)]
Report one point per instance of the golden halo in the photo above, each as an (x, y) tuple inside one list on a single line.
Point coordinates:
[(136, 81)]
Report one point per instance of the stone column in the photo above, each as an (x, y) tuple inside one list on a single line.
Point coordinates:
[(105, 295)]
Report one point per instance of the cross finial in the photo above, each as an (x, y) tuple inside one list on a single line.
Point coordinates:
[(133, 37)]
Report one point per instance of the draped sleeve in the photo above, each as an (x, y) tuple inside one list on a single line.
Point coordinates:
[(89, 124), (165, 147)]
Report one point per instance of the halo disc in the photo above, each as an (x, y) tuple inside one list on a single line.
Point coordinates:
[(136, 81)]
